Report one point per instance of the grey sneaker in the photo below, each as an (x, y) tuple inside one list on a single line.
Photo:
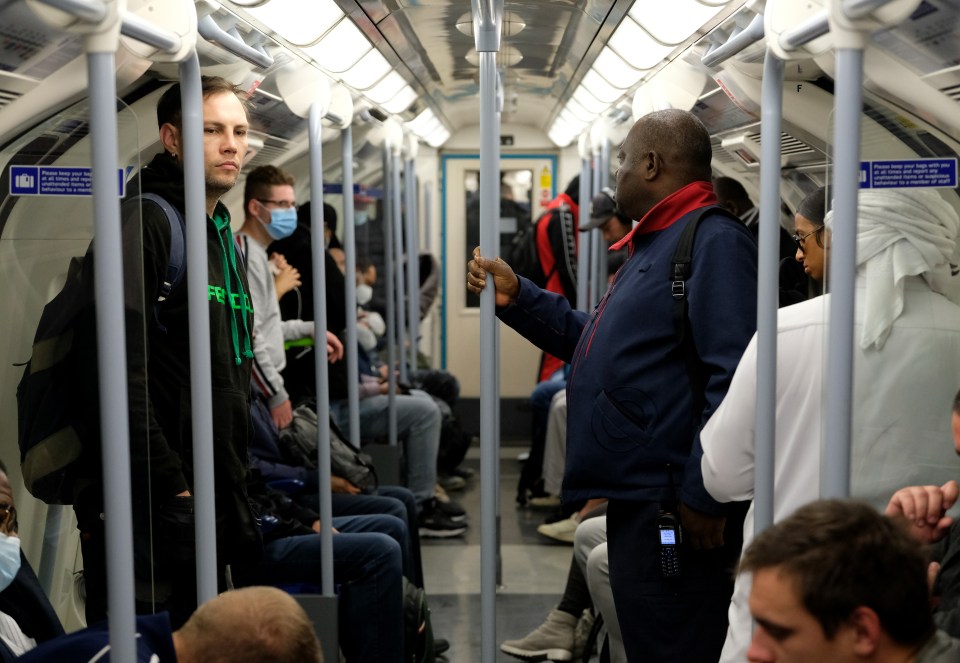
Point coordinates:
[(552, 640), (582, 633)]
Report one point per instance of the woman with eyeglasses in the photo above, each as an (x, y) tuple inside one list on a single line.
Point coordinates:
[(811, 236)]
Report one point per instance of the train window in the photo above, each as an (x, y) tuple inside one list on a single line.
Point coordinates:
[(516, 198)]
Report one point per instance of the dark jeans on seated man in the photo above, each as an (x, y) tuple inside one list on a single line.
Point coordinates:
[(367, 567)]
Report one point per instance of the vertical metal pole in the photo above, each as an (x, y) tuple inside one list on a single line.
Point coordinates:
[(413, 260), (495, 158), (320, 346), (350, 284), (428, 242), (389, 278), (398, 244), (111, 336), (489, 209), (767, 291), (583, 251), (201, 387), (602, 246), (487, 24), (835, 465), (596, 241)]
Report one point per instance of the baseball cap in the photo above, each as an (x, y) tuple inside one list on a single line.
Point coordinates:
[(602, 207)]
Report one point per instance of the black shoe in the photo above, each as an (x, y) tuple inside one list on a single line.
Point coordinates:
[(440, 646), (463, 472), (452, 510), (451, 482), (435, 525)]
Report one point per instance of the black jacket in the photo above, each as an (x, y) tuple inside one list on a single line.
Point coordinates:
[(158, 364)]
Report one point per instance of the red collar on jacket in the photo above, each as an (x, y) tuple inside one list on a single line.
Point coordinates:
[(665, 213)]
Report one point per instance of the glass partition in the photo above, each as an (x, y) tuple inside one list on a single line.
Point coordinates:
[(46, 240)]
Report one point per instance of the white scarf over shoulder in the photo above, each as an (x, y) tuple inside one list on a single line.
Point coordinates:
[(900, 233)]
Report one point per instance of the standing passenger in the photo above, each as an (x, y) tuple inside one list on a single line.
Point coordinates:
[(906, 356), (634, 410), (158, 363)]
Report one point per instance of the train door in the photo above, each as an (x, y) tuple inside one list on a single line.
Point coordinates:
[(527, 184)]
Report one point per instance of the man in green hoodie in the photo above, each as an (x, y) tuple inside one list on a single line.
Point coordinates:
[(158, 362)]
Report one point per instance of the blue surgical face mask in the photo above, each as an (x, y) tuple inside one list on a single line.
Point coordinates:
[(9, 560), (359, 218), (282, 222)]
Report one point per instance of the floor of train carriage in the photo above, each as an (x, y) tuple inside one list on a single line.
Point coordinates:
[(533, 577)]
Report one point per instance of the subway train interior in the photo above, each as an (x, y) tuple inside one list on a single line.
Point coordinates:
[(391, 110)]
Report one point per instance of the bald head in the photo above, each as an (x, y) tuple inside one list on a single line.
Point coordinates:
[(664, 151), (248, 626)]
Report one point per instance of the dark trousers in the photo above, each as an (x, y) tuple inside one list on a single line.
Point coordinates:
[(668, 619), (165, 575)]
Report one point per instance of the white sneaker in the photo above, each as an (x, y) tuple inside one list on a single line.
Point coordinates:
[(562, 530)]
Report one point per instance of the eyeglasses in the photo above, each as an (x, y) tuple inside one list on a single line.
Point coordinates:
[(8, 518), (800, 240), (283, 204)]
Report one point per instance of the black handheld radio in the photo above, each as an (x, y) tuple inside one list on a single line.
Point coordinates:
[(671, 534)]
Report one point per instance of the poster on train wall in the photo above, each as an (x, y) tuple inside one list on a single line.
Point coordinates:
[(909, 174), (55, 181)]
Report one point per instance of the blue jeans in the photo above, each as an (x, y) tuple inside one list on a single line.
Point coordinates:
[(366, 566), (418, 422), (391, 501)]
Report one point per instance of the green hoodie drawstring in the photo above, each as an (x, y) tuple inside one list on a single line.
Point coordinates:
[(230, 266)]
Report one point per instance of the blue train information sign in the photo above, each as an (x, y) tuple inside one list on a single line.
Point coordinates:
[(55, 181), (909, 174)]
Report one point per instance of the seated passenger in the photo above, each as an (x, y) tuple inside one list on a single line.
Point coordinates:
[(906, 340), (274, 464), (249, 625), (924, 510), (270, 213), (837, 581), (26, 616), (367, 567), (563, 634)]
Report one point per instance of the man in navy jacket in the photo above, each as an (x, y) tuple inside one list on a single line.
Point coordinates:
[(638, 394)]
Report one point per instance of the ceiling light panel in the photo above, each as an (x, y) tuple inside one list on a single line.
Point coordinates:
[(341, 48), (614, 69), (636, 46), (371, 68), (600, 88), (675, 26), (401, 101), (300, 22), (422, 120), (590, 102), (386, 89)]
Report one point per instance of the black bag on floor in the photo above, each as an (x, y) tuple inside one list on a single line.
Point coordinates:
[(417, 632)]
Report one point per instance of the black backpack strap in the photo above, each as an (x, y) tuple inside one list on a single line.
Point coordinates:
[(680, 265), (177, 262), (176, 265)]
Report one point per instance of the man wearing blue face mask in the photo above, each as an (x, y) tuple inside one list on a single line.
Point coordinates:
[(270, 213), (26, 616)]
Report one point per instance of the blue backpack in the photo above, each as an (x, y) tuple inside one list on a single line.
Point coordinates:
[(53, 426)]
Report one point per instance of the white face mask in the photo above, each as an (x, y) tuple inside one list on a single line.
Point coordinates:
[(364, 293), (9, 559)]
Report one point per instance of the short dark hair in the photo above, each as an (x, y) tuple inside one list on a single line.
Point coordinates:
[(3, 468), (956, 403), (842, 554), (169, 107), (728, 188), (682, 140), (260, 179)]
